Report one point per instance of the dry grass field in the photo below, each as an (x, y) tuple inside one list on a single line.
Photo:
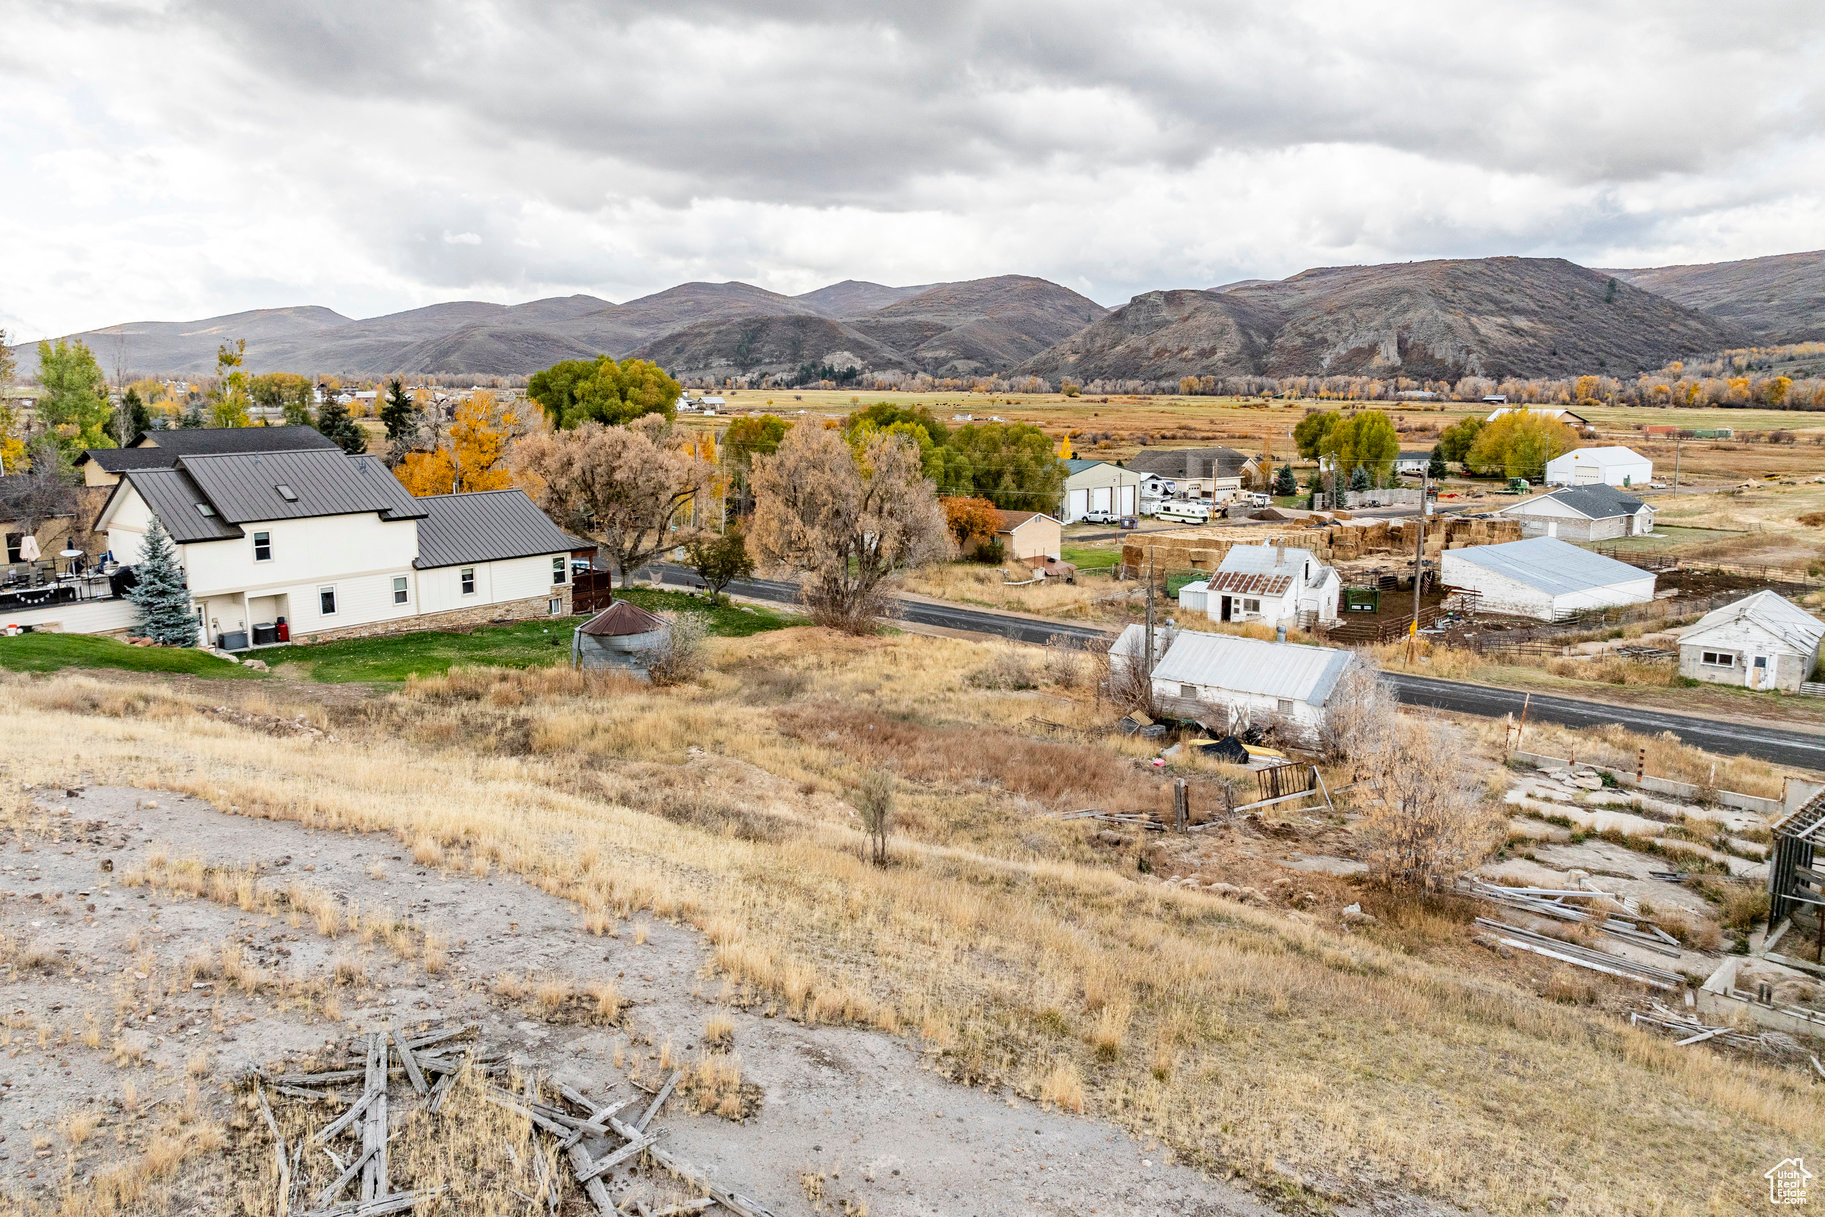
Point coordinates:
[(1266, 1043)]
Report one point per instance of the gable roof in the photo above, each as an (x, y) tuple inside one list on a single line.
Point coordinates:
[(1076, 465), (1549, 565), (247, 486), (485, 526), (1605, 455), (1261, 559), (175, 500), (1288, 670), (1190, 462), (1597, 501), (1787, 621), (1011, 520), (1248, 583), (167, 446)]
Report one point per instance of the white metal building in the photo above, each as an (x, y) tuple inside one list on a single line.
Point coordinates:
[(1761, 642), (1248, 679), (1612, 465), (1543, 577), (1099, 486)]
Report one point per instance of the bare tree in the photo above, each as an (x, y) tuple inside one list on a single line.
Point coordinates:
[(845, 521), (46, 491), (1426, 818), (874, 804), (681, 659), (632, 487), (1360, 717)]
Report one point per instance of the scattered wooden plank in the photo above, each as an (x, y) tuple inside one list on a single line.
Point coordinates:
[(733, 1201), (595, 1189), (437, 1037), (603, 1165), (398, 1202), (316, 1079), (1701, 1037), (272, 1126), (665, 1093), (690, 1206), (441, 1091), (346, 1118), (304, 1092), (411, 1063), (545, 1122), (329, 1194)]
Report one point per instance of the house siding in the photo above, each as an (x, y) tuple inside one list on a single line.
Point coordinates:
[(1787, 668)]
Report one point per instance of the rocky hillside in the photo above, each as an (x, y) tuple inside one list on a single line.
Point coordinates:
[(1777, 299), (1488, 316), (980, 327), (768, 345)]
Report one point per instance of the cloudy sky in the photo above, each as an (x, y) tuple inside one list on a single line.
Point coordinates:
[(182, 158)]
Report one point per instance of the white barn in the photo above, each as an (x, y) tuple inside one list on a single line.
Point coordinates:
[(1761, 642), (1226, 681), (1543, 577), (1099, 486), (1613, 465)]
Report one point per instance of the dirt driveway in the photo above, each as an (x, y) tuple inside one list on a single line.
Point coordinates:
[(101, 944)]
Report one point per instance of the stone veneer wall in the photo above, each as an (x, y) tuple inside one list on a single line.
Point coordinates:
[(462, 618)]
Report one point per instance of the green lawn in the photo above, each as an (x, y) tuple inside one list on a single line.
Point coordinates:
[(523, 644), (49, 652), (1089, 558)]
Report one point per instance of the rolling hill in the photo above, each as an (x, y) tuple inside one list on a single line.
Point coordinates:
[(1492, 316), (1481, 316), (1777, 299)]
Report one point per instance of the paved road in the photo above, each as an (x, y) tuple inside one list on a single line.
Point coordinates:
[(1779, 745)]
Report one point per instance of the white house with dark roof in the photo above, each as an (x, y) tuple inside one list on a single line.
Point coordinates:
[(1205, 474), (1594, 512), (158, 449), (327, 545)]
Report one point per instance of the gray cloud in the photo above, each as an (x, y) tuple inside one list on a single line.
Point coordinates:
[(386, 154)]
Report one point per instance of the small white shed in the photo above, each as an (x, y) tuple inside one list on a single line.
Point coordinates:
[(1761, 642), (1612, 466), (1543, 577)]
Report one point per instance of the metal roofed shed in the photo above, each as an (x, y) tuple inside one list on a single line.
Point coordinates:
[(1544, 578), (622, 637), (1763, 641), (1226, 682)]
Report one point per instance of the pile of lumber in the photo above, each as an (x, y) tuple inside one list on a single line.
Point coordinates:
[(1556, 903), (401, 1072)]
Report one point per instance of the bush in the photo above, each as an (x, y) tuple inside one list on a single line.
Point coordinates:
[(874, 805), (681, 659), (991, 552), (1009, 669)]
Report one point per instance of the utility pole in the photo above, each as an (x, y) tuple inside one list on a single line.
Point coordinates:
[(1419, 560), (1149, 655), (1678, 438)]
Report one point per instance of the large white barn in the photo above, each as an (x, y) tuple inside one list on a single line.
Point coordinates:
[(1543, 577), (1612, 465)]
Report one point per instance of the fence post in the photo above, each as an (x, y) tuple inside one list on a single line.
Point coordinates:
[(1641, 764), (1181, 805)]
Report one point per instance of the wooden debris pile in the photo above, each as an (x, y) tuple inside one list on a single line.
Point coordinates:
[(344, 1163), (1553, 902)]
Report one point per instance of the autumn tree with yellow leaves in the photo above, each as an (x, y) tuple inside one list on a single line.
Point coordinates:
[(472, 454)]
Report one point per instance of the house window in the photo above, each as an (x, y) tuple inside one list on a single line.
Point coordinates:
[(468, 575), (1251, 606), (326, 601), (559, 566), (1718, 659), (556, 606), (1284, 705), (262, 547), (13, 541), (1188, 690), (401, 593)]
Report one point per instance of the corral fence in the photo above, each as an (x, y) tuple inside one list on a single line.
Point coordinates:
[(1777, 578)]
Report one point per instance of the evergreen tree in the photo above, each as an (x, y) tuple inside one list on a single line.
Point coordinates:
[(160, 593), (1359, 478), (134, 414), (1285, 482), (1436, 466), (193, 414), (335, 422), (397, 413)]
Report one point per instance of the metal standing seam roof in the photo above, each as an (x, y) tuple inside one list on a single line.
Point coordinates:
[(1260, 560), (622, 619), (1774, 613), (245, 486), (1597, 501), (1549, 565), (485, 526), (1076, 465), (199, 441), (1606, 455), (1288, 670), (174, 499)]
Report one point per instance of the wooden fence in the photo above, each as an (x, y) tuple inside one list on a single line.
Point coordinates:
[(591, 591)]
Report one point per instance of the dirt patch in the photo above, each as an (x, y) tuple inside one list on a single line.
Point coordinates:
[(185, 992)]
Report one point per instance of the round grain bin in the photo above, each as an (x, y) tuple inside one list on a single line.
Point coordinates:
[(623, 636)]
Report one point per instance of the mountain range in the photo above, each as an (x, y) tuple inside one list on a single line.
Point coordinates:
[(1499, 316)]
